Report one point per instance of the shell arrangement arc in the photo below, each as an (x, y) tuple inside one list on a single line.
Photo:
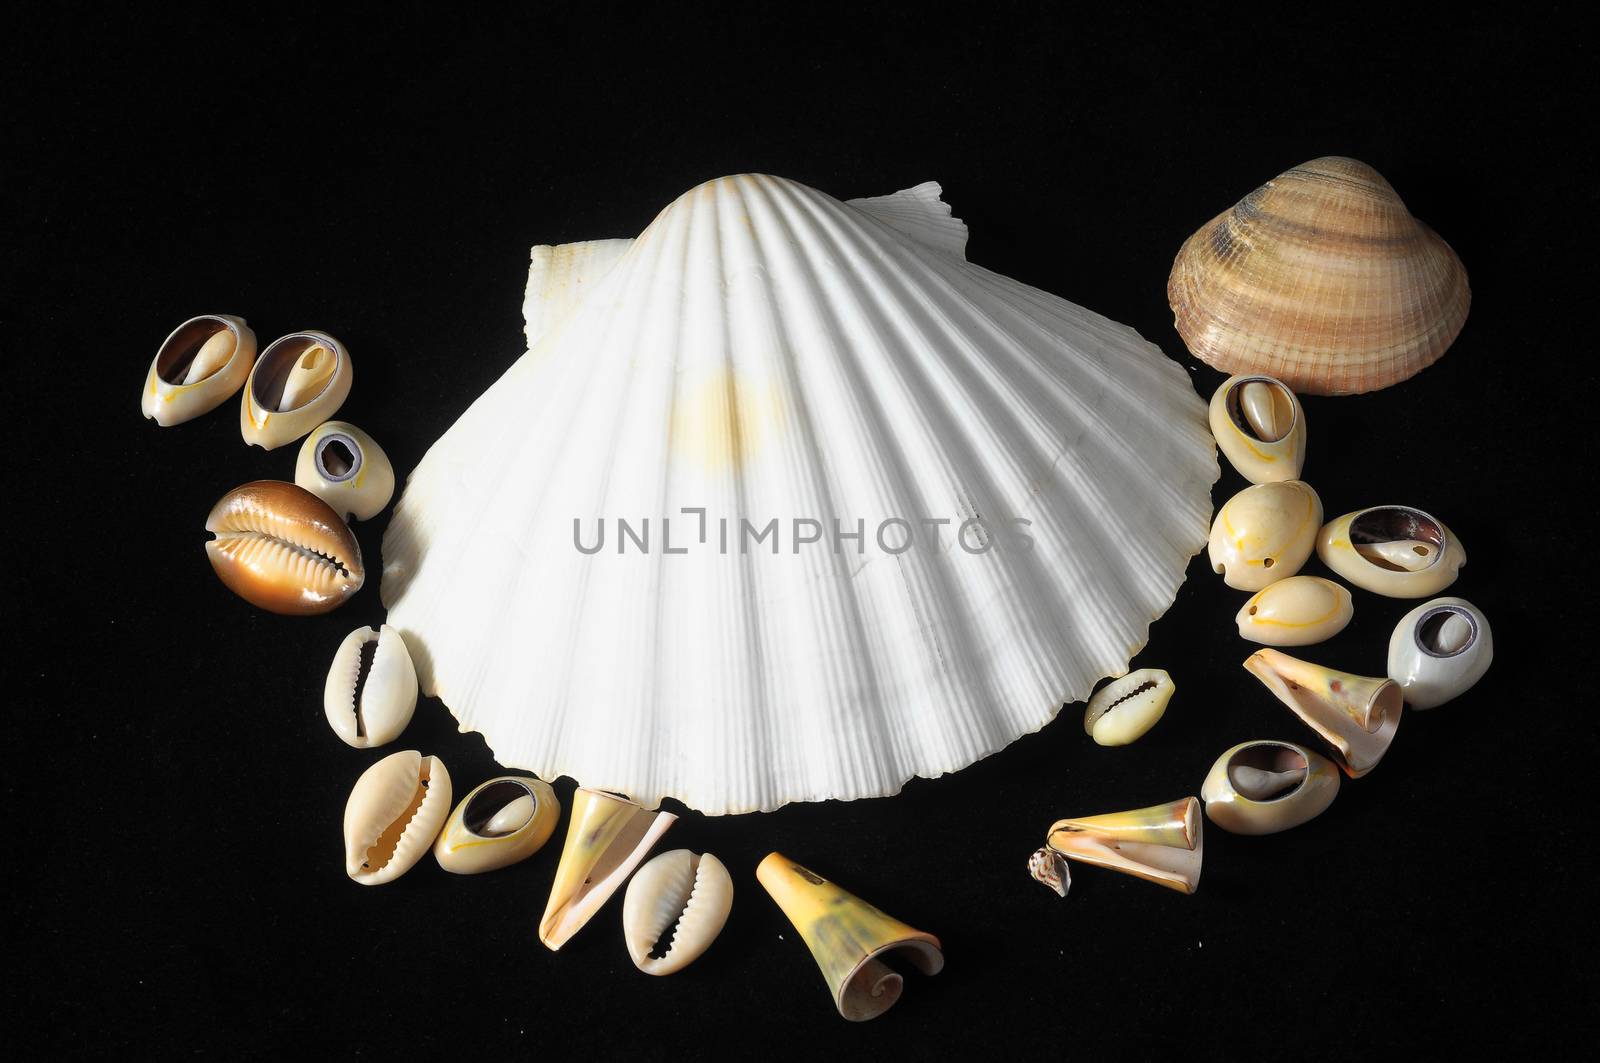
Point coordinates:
[(765, 353)]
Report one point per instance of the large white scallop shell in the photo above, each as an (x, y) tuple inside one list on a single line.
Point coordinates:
[(763, 352)]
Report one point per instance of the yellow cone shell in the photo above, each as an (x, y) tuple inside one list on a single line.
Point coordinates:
[(1321, 278), (846, 936)]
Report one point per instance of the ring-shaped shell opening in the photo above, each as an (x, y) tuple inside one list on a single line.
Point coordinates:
[(178, 352), (1282, 401), (1267, 771), (1439, 632), (278, 361), (489, 800), (1377, 531), (338, 457)]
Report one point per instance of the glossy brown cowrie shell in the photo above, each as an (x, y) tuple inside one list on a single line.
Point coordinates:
[(281, 547)]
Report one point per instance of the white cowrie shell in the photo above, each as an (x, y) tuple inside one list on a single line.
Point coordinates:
[(1439, 650), (1264, 534), (394, 811), (1397, 551), (345, 467), (299, 381), (501, 822), (372, 713), (197, 368), (1259, 425), (1297, 611), (1265, 787), (688, 894), (1124, 709)]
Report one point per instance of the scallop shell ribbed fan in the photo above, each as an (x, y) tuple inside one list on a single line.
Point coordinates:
[(766, 352)]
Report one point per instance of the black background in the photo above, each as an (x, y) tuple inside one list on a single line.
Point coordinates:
[(174, 795)]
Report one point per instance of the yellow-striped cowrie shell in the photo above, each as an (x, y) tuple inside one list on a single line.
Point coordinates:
[(676, 905), (394, 811), (1264, 787), (1396, 551), (345, 467), (1355, 714), (280, 547), (500, 823), (1124, 709), (198, 368), (1259, 425), (1439, 650), (299, 381), (369, 696), (1264, 534), (1297, 611)]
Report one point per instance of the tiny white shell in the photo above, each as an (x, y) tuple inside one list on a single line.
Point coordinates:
[(345, 467), (394, 811), (1439, 650), (1264, 534), (1124, 709), (386, 700), (1297, 611), (689, 894)]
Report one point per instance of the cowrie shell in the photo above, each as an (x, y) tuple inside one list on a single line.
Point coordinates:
[(686, 893), (371, 712), (393, 813)]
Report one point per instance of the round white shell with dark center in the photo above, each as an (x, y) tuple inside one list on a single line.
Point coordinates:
[(1439, 650), (765, 356)]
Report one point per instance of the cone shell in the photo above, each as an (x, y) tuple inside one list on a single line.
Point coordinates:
[(198, 368), (848, 938), (1439, 650), (299, 381), (1265, 787), (1264, 534), (1297, 611), (394, 811), (345, 467), (1396, 551), (768, 359), (501, 822), (1161, 844), (1322, 279), (607, 836), (678, 903), (1258, 423), (280, 547), (1355, 714)]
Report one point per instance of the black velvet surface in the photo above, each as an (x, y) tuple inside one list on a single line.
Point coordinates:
[(174, 794)]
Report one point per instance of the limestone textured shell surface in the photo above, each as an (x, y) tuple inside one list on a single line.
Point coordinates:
[(788, 501), (1321, 278)]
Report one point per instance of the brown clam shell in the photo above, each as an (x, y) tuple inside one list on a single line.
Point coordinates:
[(1322, 279), (281, 547)]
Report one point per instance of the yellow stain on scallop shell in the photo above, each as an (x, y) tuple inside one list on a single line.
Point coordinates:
[(722, 420)]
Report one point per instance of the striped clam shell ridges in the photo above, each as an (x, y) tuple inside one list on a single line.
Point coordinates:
[(764, 351), (1321, 278)]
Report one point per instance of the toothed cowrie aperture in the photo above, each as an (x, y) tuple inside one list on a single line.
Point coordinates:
[(675, 907), (394, 811)]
